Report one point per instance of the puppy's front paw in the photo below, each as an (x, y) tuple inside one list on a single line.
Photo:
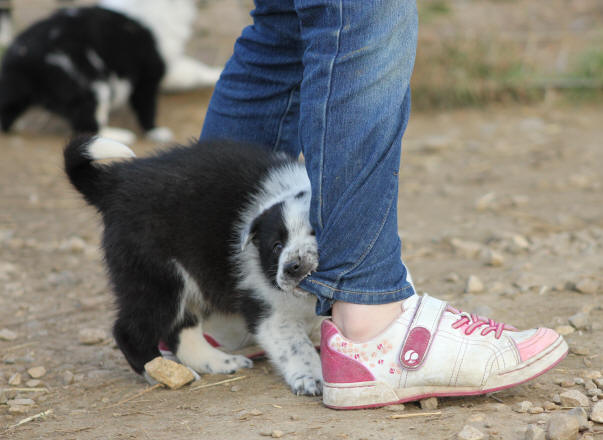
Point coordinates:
[(306, 385), (227, 364)]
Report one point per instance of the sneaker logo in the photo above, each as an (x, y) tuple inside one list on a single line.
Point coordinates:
[(411, 357), (415, 347)]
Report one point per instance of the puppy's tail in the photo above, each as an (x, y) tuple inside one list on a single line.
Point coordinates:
[(88, 178)]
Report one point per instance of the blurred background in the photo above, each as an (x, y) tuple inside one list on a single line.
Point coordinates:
[(469, 52)]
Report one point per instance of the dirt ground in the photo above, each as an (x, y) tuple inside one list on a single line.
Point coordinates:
[(511, 195), (523, 182)]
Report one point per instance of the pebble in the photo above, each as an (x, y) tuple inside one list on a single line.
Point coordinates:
[(235, 388), (579, 321), (68, 377), (565, 330), (470, 433), (599, 382), (549, 406), (15, 379), (562, 427), (556, 399), (578, 381), (468, 249), (170, 373), (32, 383), (476, 418), (20, 402), (573, 398), (7, 335), (518, 243), (536, 410), (534, 432), (581, 417), (522, 407), (596, 415), (474, 285), (493, 258), (594, 392), (485, 202), (593, 375), (429, 404), (587, 285), (36, 372), (579, 350), (452, 277), (73, 244), (91, 336)]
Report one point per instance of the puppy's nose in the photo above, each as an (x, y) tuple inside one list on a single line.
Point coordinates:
[(293, 269)]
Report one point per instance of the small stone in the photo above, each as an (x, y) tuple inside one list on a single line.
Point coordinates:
[(18, 409), (549, 406), (565, 330), (277, 433), (517, 243), (587, 285), (596, 415), (32, 383), (593, 375), (522, 407), (599, 382), (470, 433), (536, 410), (68, 377), (493, 258), (534, 432), (580, 416), (73, 244), (170, 373), (476, 418), (578, 381), (235, 388), (579, 350), (474, 285), (485, 202), (36, 372), (566, 383), (7, 335), (468, 249), (15, 379), (394, 408), (255, 412), (429, 404), (556, 399), (91, 336), (562, 427), (579, 321), (3, 397), (594, 392), (452, 277), (573, 398)]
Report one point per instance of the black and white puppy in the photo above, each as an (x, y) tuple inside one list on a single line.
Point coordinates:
[(213, 228), (80, 63)]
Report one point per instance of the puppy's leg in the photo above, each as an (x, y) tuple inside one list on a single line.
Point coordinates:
[(291, 350), (186, 73), (137, 339), (195, 352)]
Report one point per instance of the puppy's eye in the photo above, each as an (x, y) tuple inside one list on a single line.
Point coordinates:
[(278, 246)]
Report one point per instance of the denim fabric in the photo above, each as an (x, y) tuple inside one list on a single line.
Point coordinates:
[(330, 79)]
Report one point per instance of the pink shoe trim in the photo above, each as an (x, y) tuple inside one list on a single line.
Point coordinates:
[(542, 339), (415, 347), (337, 367)]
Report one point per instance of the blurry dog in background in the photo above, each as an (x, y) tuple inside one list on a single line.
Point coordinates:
[(80, 63), (216, 229)]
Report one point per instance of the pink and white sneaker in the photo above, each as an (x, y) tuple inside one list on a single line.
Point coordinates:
[(432, 349)]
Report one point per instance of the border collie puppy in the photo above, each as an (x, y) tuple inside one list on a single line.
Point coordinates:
[(171, 22), (80, 63), (213, 228)]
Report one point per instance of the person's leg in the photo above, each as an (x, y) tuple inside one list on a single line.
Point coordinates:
[(256, 99), (354, 107)]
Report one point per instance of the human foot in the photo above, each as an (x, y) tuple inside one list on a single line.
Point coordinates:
[(432, 349)]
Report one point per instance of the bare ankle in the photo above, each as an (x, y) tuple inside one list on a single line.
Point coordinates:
[(362, 322)]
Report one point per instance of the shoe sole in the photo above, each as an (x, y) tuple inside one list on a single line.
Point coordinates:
[(375, 394)]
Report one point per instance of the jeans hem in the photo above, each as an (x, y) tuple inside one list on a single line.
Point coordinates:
[(327, 295)]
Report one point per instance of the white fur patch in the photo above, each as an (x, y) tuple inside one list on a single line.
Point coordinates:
[(118, 134), (103, 148)]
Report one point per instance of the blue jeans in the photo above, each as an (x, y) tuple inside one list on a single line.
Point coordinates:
[(330, 79)]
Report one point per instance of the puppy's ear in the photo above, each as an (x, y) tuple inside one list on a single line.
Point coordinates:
[(250, 233)]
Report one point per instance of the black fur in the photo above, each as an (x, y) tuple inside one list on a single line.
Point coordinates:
[(123, 48), (181, 204)]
